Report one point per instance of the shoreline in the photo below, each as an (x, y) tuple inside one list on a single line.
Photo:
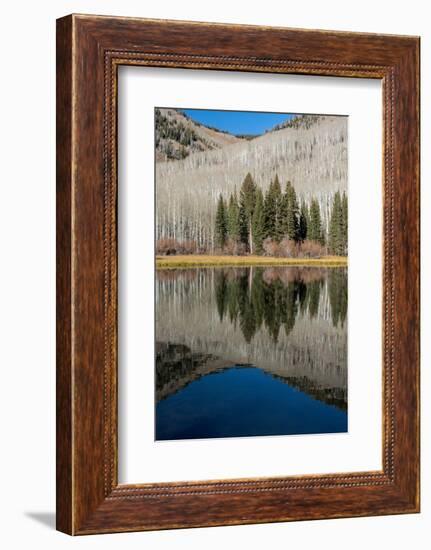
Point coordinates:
[(191, 260)]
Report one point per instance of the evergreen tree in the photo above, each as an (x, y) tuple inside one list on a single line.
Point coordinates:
[(233, 299), (315, 232), (247, 201), (247, 320), (272, 211), (291, 308), (284, 214), (269, 213), (303, 222), (258, 297), (272, 313), (313, 289), (277, 198), (221, 287), (344, 223), (336, 240), (288, 215), (220, 223), (258, 223), (233, 231), (292, 220), (337, 289), (243, 226), (276, 187)]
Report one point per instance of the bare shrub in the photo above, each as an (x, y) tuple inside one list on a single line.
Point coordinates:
[(170, 247), (241, 249), (270, 247), (166, 247), (188, 247), (288, 248), (203, 249), (234, 248), (230, 247), (270, 275), (293, 274), (311, 249)]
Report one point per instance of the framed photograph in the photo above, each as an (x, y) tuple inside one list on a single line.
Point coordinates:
[(237, 274)]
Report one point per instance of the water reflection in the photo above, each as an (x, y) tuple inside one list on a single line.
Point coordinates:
[(273, 297), (289, 323)]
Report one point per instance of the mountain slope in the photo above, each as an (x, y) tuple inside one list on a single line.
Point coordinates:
[(178, 136), (313, 157)]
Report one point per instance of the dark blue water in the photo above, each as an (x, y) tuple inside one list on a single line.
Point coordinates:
[(244, 401)]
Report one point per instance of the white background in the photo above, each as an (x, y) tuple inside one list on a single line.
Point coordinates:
[(141, 458), (27, 240)]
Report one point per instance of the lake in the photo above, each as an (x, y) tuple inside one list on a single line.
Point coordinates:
[(250, 351)]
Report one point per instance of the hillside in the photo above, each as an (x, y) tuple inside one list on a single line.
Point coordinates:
[(311, 153), (178, 136)]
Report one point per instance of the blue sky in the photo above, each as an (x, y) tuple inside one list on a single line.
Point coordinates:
[(238, 122)]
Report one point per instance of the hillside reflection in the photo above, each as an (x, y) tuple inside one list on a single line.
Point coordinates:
[(289, 322)]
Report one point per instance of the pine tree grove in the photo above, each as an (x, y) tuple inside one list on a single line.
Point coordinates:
[(254, 218)]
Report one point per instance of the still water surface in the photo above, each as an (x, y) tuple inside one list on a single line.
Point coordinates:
[(250, 352)]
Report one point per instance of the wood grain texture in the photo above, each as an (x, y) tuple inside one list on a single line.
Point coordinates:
[(64, 497), (90, 49)]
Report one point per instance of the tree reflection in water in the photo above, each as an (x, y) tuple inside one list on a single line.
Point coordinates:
[(273, 298), (290, 322)]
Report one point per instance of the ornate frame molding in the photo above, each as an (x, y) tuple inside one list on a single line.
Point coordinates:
[(90, 49)]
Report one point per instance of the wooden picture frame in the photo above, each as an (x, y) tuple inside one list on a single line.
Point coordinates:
[(89, 52)]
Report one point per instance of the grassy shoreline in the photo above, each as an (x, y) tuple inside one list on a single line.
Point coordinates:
[(167, 262)]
